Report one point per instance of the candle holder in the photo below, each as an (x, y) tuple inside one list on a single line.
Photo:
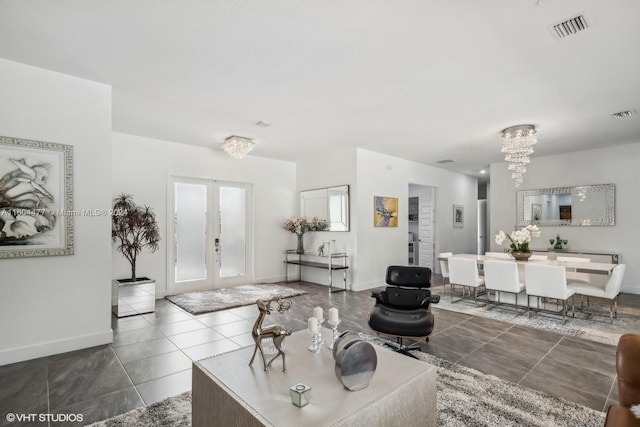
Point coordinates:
[(334, 332), (316, 342), (320, 337)]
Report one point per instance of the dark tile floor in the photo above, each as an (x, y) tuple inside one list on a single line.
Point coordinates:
[(151, 357)]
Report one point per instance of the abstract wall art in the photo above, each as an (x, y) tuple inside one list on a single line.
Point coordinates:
[(385, 211)]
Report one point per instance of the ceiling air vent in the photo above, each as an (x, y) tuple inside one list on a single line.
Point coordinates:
[(570, 26), (445, 161), (623, 114)]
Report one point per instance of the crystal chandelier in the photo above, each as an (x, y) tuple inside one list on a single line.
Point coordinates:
[(517, 144), (237, 146)]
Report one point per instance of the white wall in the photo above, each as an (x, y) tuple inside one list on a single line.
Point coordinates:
[(371, 249), (318, 171), (56, 304), (614, 165), (141, 167), (377, 247)]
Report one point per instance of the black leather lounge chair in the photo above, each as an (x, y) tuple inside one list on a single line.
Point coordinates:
[(403, 309)]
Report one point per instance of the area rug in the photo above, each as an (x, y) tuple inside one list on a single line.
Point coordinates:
[(592, 324), (221, 299), (465, 397)]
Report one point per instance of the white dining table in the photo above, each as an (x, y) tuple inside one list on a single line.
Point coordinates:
[(599, 270), (595, 267)]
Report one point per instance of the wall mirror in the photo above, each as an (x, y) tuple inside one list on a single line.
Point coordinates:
[(330, 203), (583, 205)]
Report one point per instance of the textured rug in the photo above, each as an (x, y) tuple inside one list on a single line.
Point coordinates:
[(466, 397), (221, 299), (592, 324)]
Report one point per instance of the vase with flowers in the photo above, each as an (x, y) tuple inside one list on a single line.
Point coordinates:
[(519, 246), (299, 226)]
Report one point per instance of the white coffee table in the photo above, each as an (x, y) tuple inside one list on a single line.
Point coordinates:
[(227, 391)]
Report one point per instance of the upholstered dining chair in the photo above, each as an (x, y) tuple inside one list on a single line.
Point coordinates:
[(609, 292), (403, 309), (464, 272), (502, 276), (572, 274), (444, 267), (548, 281)]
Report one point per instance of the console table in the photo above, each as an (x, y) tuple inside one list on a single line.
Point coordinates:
[(229, 392), (331, 262), (595, 256)]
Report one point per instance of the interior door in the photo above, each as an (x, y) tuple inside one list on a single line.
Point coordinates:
[(426, 229), (209, 235)]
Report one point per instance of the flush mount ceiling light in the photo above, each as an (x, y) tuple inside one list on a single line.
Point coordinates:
[(237, 146), (517, 144)]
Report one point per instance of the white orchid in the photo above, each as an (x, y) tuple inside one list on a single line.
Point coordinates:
[(519, 238)]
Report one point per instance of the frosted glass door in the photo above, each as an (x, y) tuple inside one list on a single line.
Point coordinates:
[(191, 232), (209, 234), (232, 232), (233, 229)]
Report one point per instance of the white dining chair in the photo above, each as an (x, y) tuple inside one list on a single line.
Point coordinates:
[(548, 281), (444, 266), (609, 292), (464, 272), (502, 276), (572, 274)]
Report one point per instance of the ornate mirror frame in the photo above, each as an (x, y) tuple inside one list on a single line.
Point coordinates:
[(585, 205)]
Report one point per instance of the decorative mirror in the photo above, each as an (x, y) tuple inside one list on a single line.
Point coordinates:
[(584, 205), (330, 203)]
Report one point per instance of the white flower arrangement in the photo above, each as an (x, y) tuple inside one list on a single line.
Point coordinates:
[(519, 238)]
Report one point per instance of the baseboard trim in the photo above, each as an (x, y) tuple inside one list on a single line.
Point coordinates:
[(631, 289), (49, 348), (366, 286)]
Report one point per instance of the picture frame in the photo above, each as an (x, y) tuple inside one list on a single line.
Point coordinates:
[(564, 212), (36, 198), (536, 212), (385, 211), (458, 216)]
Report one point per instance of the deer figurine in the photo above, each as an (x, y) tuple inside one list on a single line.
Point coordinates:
[(275, 332)]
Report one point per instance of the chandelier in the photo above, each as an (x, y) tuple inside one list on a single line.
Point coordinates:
[(237, 146), (517, 144)]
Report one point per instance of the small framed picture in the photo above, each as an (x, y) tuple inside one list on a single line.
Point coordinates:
[(458, 216)]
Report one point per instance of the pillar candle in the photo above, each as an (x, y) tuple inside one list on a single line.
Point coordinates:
[(312, 325), (317, 313), (333, 315)]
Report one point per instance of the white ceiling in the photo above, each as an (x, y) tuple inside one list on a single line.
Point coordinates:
[(424, 80)]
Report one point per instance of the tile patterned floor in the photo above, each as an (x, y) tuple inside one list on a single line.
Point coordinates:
[(151, 357)]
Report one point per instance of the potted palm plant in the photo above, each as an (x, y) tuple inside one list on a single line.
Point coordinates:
[(133, 228)]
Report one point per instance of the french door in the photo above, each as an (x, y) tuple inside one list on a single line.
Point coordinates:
[(209, 233)]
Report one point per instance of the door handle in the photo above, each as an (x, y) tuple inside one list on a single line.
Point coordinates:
[(216, 244)]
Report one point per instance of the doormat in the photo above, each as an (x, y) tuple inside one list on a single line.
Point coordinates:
[(222, 299)]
